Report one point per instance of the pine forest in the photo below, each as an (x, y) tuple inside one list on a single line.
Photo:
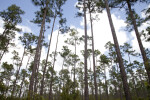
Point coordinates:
[(75, 50)]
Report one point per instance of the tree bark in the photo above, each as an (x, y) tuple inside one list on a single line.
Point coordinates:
[(51, 83), (36, 80), (122, 69), (42, 81), (75, 63), (17, 74), (86, 94), (100, 93), (95, 83), (106, 86), (21, 85), (145, 59), (37, 70), (37, 53)]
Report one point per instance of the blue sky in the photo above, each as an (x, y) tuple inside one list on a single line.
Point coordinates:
[(69, 11), (102, 33), (26, 5)]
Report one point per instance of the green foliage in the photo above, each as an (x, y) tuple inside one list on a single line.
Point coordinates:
[(3, 89), (39, 16), (11, 17), (146, 34), (7, 71), (28, 39), (104, 59), (147, 13), (68, 92), (64, 88), (129, 21)]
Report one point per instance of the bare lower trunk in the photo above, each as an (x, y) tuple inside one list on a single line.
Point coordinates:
[(121, 97), (36, 80), (100, 93), (86, 94), (92, 88), (37, 54), (82, 95), (75, 64), (106, 86), (51, 83), (37, 70), (122, 69), (21, 85), (116, 91), (17, 74), (145, 59), (95, 83), (42, 81), (50, 92)]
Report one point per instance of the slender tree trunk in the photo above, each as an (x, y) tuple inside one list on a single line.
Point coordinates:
[(21, 85), (143, 88), (95, 83), (63, 64), (20, 91), (90, 62), (86, 94), (51, 83), (116, 92), (75, 64), (145, 59), (100, 93), (50, 90), (122, 69), (36, 80), (17, 74), (37, 70), (92, 89), (106, 86), (42, 81), (121, 98), (62, 69), (37, 53), (82, 94)]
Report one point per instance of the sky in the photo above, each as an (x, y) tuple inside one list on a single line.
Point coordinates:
[(102, 32)]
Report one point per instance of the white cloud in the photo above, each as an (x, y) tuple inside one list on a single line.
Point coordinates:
[(24, 28), (19, 47), (102, 34), (134, 41), (143, 12)]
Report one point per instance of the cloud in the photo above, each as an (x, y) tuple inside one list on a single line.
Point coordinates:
[(134, 41), (19, 47), (102, 34), (24, 28), (144, 11)]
